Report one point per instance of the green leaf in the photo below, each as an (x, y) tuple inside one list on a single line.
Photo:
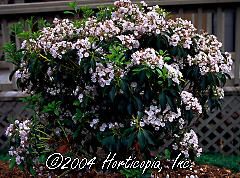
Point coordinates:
[(142, 76), (56, 112), (123, 85), (163, 100), (167, 153), (189, 115), (76, 103), (21, 167), (130, 139), (136, 70), (203, 83), (86, 11), (109, 142), (171, 103), (32, 171), (112, 93), (76, 133), (166, 59), (138, 103), (141, 139), (78, 115), (72, 4), (158, 42), (69, 12), (170, 82), (12, 163), (159, 72), (129, 108), (148, 74), (164, 73), (42, 158), (147, 135)]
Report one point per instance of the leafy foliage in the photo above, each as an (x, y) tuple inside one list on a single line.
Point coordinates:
[(122, 78)]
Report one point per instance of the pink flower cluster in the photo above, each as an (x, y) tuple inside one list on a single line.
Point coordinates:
[(103, 75), (145, 22), (183, 32), (190, 141), (190, 102), (129, 41), (102, 30), (90, 91), (21, 130), (53, 39), (82, 46), (157, 118), (95, 124), (210, 57), (147, 56)]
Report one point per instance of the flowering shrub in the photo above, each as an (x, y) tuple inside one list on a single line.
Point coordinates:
[(121, 79)]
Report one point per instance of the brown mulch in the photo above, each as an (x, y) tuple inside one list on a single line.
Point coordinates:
[(202, 171), (6, 173)]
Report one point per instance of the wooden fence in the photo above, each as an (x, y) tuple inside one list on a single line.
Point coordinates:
[(220, 132)]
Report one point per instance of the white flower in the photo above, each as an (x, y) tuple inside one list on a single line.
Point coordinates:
[(190, 102), (18, 160), (142, 124), (22, 130), (174, 40), (134, 84), (103, 127), (173, 73), (219, 92), (147, 56), (80, 97), (94, 122), (190, 141), (157, 119), (86, 54)]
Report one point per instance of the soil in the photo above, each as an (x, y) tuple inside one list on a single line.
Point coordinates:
[(6, 173), (202, 171)]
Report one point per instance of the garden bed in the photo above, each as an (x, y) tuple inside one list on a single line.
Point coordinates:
[(199, 170)]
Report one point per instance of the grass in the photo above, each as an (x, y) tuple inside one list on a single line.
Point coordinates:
[(230, 162)]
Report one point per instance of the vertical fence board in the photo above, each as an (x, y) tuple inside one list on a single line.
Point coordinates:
[(200, 19), (193, 18), (6, 39), (5, 31), (209, 22), (237, 47), (220, 25), (180, 12)]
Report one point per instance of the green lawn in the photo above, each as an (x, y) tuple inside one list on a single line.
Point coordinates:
[(230, 162)]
